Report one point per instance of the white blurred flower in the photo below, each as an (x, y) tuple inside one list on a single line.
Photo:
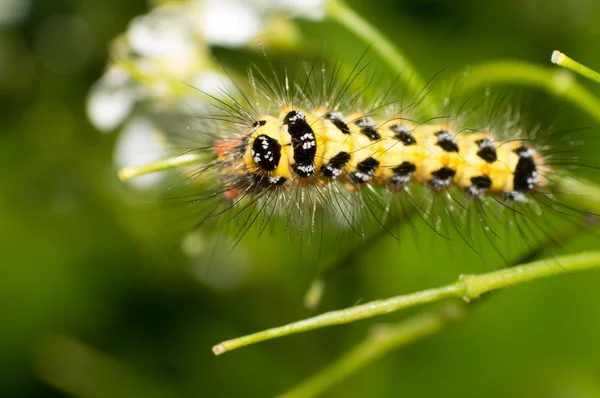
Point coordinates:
[(165, 38), (229, 23), (234, 23), (168, 52), (111, 99), (308, 9), (157, 56), (213, 83), (140, 142)]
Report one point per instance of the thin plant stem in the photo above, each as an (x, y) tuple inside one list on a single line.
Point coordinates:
[(576, 192), (339, 12), (381, 340), (563, 60), (128, 173), (557, 82), (347, 315), (468, 287)]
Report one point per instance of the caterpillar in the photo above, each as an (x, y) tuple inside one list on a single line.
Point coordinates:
[(298, 148), (323, 153)]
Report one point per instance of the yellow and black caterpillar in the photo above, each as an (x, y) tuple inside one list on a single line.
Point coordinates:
[(300, 148)]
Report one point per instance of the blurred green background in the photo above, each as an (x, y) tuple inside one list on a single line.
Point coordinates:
[(96, 302)]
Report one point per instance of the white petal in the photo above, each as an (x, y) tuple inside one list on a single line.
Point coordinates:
[(182, 55), (213, 83), (309, 9), (142, 37), (166, 40), (107, 107), (229, 23), (140, 142), (115, 76), (160, 35)]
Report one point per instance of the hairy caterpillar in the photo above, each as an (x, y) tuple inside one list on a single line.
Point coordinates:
[(300, 148), (323, 153)]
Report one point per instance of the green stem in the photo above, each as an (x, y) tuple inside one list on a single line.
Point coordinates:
[(476, 285), (128, 173), (561, 59), (468, 287), (581, 194), (340, 317), (338, 11), (383, 339), (522, 73)]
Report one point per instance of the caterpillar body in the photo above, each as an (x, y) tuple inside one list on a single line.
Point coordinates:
[(299, 148), (320, 153)]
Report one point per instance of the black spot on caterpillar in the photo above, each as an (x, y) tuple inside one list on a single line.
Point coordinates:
[(403, 133), (303, 142), (266, 152)]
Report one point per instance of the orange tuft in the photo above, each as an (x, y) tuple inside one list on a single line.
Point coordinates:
[(222, 147), (320, 111), (286, 108), (233, 194)]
